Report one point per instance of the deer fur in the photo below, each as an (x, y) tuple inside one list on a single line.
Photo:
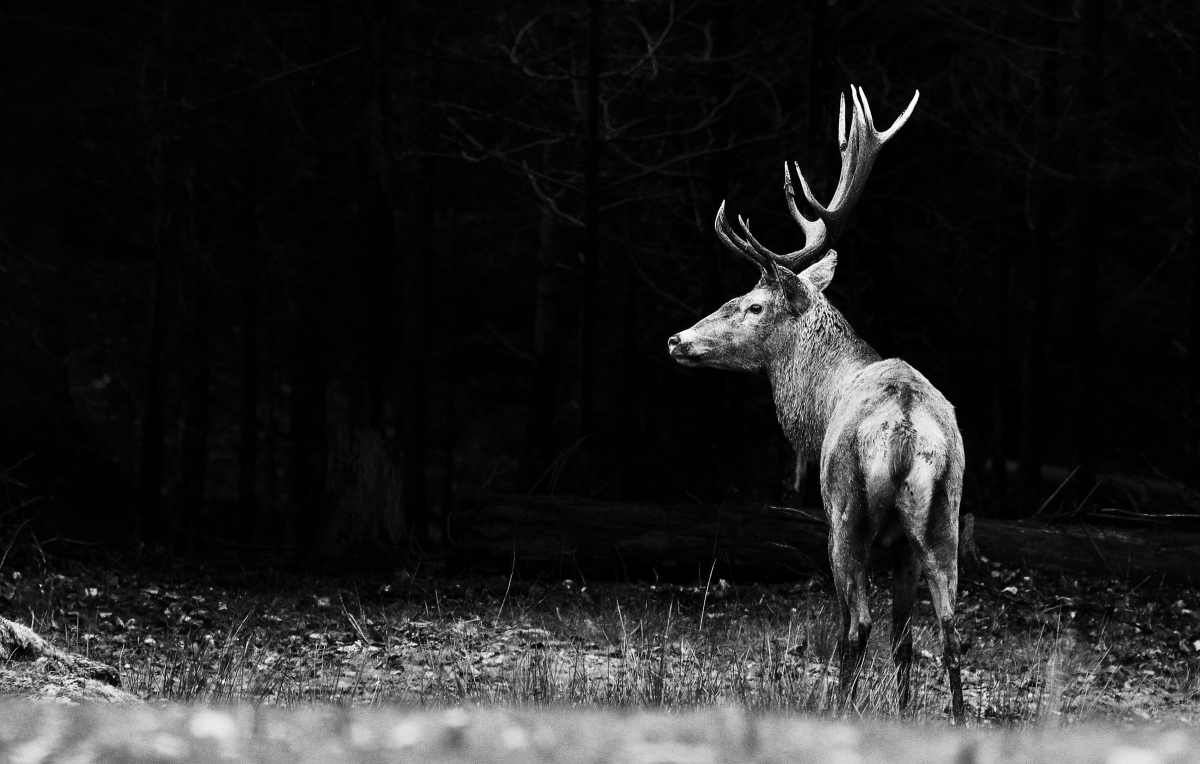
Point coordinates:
[(890, 453)]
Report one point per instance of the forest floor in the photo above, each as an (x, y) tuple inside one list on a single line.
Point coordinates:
[(1040, 647)]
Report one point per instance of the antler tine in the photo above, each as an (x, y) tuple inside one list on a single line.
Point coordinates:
[(814, 230), (858, 147), (735, 243), (841, 121), (899, 123), (860, 100), (758, 247)]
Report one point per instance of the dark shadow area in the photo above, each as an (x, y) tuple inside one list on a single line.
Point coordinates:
[(284, 282)]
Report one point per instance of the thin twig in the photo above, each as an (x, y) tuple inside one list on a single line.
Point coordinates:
[(1066, 480), (13, 541), (707, 586), (511, 573), (277, 77)]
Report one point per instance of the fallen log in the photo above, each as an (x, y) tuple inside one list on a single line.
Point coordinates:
[(635, 541), (32, 667), (571, 536)]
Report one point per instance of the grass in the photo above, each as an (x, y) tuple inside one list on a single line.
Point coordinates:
[(1042, 650)]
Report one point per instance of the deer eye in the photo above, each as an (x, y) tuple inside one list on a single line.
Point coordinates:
[(756, 308)]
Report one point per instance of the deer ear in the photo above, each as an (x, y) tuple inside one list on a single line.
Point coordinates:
[(820, 273), (793, 290)]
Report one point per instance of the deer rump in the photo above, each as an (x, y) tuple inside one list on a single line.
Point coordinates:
[(893, 449)]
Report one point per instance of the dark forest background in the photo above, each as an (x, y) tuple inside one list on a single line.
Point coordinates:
[(272, 268)]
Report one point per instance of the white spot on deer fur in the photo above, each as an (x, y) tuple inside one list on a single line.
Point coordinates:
[(1128, 755), (405, 734), (930, 437), (213, 724)]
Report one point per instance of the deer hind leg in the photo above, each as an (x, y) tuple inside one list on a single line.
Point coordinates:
[(942, 575), (935, 535), (849, 557), (906, 570)]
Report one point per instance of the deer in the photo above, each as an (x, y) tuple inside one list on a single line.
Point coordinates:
[(886, 440)]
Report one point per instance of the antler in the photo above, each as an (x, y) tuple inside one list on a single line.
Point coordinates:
[(749, 247), (859, 148)]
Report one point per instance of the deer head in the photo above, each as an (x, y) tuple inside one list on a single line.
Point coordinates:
[(746, 332), (742, 333)]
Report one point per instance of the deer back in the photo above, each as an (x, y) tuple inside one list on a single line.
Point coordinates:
[(890, 426)]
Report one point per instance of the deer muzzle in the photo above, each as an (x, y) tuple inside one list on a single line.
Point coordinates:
[(685, 349)]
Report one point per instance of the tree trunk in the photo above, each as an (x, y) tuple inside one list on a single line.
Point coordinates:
[(568, 536), (411, 216), (1001, 358), (629, 439), (165, 129), (414, 427), (542, 407), (308, 421), (1008, 204), (450, 387), (195, 420), (150, 484), (1086, 372), (309, 457), (197, 288), (1192, 404), (591, 230), (270, 507), (366, 517), (376, 278), (1042, 261), (246, 525)]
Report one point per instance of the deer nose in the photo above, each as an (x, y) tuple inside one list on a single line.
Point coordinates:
[(671, 343)]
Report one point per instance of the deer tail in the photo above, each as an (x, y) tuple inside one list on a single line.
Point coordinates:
[(902, 447)]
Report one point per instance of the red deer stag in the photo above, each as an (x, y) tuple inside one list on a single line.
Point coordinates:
[(891, 455)]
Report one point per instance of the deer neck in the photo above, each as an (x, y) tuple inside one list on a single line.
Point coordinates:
[(814, 356)]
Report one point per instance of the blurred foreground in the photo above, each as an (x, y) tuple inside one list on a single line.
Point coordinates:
[(36, 732)]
